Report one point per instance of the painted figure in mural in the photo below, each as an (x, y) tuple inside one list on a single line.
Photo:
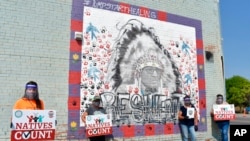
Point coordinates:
[(30, 100), (92, 30), (185, 48), (188, 120), (94, 109), (141, 61), (92, 72), (223, 125)]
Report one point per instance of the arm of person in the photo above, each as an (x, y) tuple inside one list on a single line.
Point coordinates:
[(195, 118), (42, 105), (180, 117), (212, 112), (83, 117), (11, 124)]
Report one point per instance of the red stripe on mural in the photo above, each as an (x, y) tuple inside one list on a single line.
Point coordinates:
[(75, 46), (74, 77), (201, 84), (169, 128), (162, 16), (74, 103), (202, 104), (200, 59), (128, 131), (76, 25), (125, 8), (199, 44), (149, 129)]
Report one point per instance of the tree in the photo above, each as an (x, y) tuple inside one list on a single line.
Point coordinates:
[(238, 91)]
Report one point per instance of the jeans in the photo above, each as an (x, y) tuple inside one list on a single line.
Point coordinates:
[(186, 130), (223, 126)]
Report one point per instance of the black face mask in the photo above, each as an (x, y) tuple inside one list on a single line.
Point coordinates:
[(30, 95), (187, 103), (96, 103), (219, 100)]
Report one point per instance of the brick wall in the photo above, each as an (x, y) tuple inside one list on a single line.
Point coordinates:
[(34, 45)]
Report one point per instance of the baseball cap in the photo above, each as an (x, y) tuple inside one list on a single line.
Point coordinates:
[(96, 98)]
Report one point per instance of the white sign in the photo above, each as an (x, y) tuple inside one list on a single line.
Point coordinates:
[(33, 125), (97, 125), (224, 112), (190, 112)]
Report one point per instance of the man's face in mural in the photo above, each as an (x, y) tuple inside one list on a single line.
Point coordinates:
[(150, 77)]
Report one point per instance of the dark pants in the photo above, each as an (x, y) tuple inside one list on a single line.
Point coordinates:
[(97, 138)]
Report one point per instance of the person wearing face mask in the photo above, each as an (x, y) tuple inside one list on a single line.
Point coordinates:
[(94, 109), (223, 125), (188, 120), (30, 99)]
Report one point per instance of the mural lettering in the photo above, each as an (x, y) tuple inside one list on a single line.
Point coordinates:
[(130, 109), (122, 8)]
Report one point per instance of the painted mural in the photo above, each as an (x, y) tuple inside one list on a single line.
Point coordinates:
[(142, 62)]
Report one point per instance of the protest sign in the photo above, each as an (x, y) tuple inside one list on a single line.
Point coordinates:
[(97, 125), (33, 125), (224, 112), (190, 112)]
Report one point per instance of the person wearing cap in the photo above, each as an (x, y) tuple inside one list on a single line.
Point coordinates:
[(188, 120), (94, 109), (30, 99), (223, 125)]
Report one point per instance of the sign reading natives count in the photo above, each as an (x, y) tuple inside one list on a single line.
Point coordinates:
[(224, 112), (97, 125), (33, 125)]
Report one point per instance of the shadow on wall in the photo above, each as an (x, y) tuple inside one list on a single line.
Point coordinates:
[(215, 130)]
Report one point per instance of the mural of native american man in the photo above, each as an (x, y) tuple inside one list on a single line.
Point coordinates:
[(140, 67), (139, 80), (140, 60)]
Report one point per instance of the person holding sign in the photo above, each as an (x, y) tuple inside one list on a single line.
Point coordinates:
[(188, 120), (29, 117), (30, 100), (223, 125), (94, 109)]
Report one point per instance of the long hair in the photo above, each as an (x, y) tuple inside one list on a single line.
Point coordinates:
[(128, 49), (36, 96)]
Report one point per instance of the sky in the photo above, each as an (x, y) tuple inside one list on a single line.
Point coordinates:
[(235, 32)]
